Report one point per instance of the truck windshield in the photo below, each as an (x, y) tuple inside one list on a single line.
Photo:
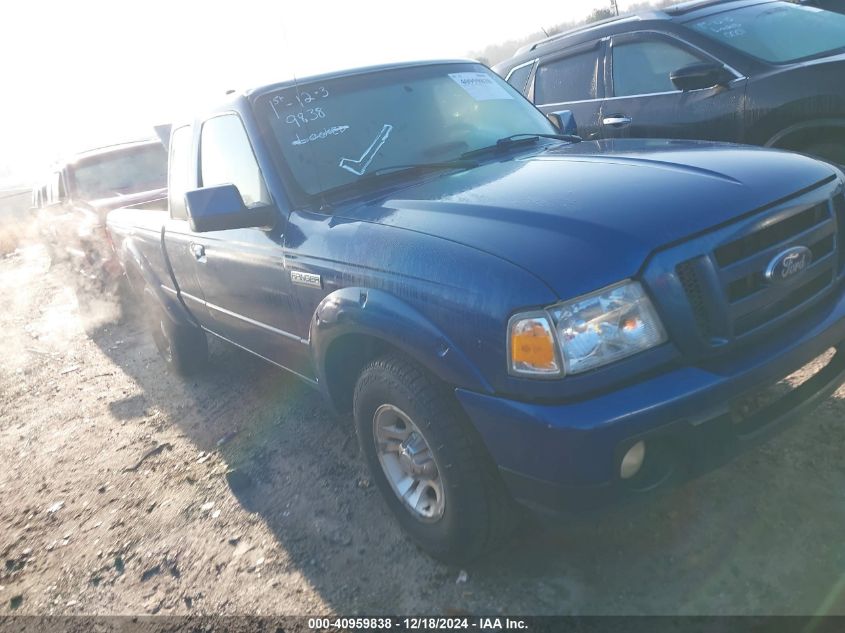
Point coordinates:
[(120, 173), (776, 32), (333, 132)]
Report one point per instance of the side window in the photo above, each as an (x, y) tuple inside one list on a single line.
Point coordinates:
[(572, 78), (226, 157), (644, 67), (519, 77), (179, 171)]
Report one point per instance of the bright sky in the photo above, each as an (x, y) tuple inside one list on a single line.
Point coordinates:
[(82, 73)]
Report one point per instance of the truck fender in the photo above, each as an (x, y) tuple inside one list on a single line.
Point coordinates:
[(148, 286), (383, 316)]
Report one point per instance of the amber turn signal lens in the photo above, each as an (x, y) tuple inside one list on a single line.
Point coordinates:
[(532, 347)]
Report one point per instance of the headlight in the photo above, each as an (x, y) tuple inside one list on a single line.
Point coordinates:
[(591, 331), (606, 326)]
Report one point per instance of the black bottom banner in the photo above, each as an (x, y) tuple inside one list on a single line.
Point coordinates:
[(341, 624)]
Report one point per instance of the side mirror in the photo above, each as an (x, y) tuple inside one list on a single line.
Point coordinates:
[(221, 207), (700, 76), (564, 121)]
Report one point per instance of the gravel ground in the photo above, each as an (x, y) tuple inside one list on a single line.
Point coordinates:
[(125, 490)]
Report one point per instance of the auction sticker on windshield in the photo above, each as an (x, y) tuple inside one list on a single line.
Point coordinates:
[(480, 86)]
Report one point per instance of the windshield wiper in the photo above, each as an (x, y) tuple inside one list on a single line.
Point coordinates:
[(390, 171), (515, 140), (397, 169)]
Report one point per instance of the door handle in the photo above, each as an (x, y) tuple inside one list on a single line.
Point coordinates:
[(617, 120), (198, 251)]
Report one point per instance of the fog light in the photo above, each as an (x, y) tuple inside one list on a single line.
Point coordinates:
[(633, 460)]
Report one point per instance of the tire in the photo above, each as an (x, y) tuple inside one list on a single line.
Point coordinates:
[(183, 348), (476, 513)]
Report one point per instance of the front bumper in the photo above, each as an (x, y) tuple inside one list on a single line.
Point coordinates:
[(567, 456)]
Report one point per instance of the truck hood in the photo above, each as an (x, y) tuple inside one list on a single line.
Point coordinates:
[(584, 216)]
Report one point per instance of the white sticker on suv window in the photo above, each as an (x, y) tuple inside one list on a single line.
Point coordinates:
[(480, 86)]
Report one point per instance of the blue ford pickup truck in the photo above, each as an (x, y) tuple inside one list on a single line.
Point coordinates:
[(508, 314)]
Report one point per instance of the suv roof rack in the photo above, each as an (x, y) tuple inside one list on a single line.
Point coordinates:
[(692, 5), (578, 29)]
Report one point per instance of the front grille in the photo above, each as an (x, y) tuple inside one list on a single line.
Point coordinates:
[(771, 235), (746, 286), (726, 287), (695, 293), (751, 283), (801, 294), (839, 208)]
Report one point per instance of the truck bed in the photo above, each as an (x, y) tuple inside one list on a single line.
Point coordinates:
[(137, 233)]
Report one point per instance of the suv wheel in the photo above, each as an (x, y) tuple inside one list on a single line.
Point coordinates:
[(433, 473), (831, 151)]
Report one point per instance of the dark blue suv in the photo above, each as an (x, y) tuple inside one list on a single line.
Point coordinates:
[(760, 72)]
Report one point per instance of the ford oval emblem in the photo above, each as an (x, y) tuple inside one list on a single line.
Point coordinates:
[(789, 263)]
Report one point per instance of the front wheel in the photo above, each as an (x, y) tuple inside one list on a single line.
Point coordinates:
[(433, 473)]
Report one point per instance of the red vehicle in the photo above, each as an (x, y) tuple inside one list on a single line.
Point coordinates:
[(72, 204)]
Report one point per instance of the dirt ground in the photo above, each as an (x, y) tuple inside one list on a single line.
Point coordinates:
[(125, 490)]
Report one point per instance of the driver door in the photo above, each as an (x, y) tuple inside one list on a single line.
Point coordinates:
[(242, 273)]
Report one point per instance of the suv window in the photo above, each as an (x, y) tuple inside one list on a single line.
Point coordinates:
[(226, 157), (519, 77), (644, 67), (180, 167), (776, 32), (572, 78)]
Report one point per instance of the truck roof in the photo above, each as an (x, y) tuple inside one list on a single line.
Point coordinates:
[(364, 70), (104, 150), (115, 147)]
